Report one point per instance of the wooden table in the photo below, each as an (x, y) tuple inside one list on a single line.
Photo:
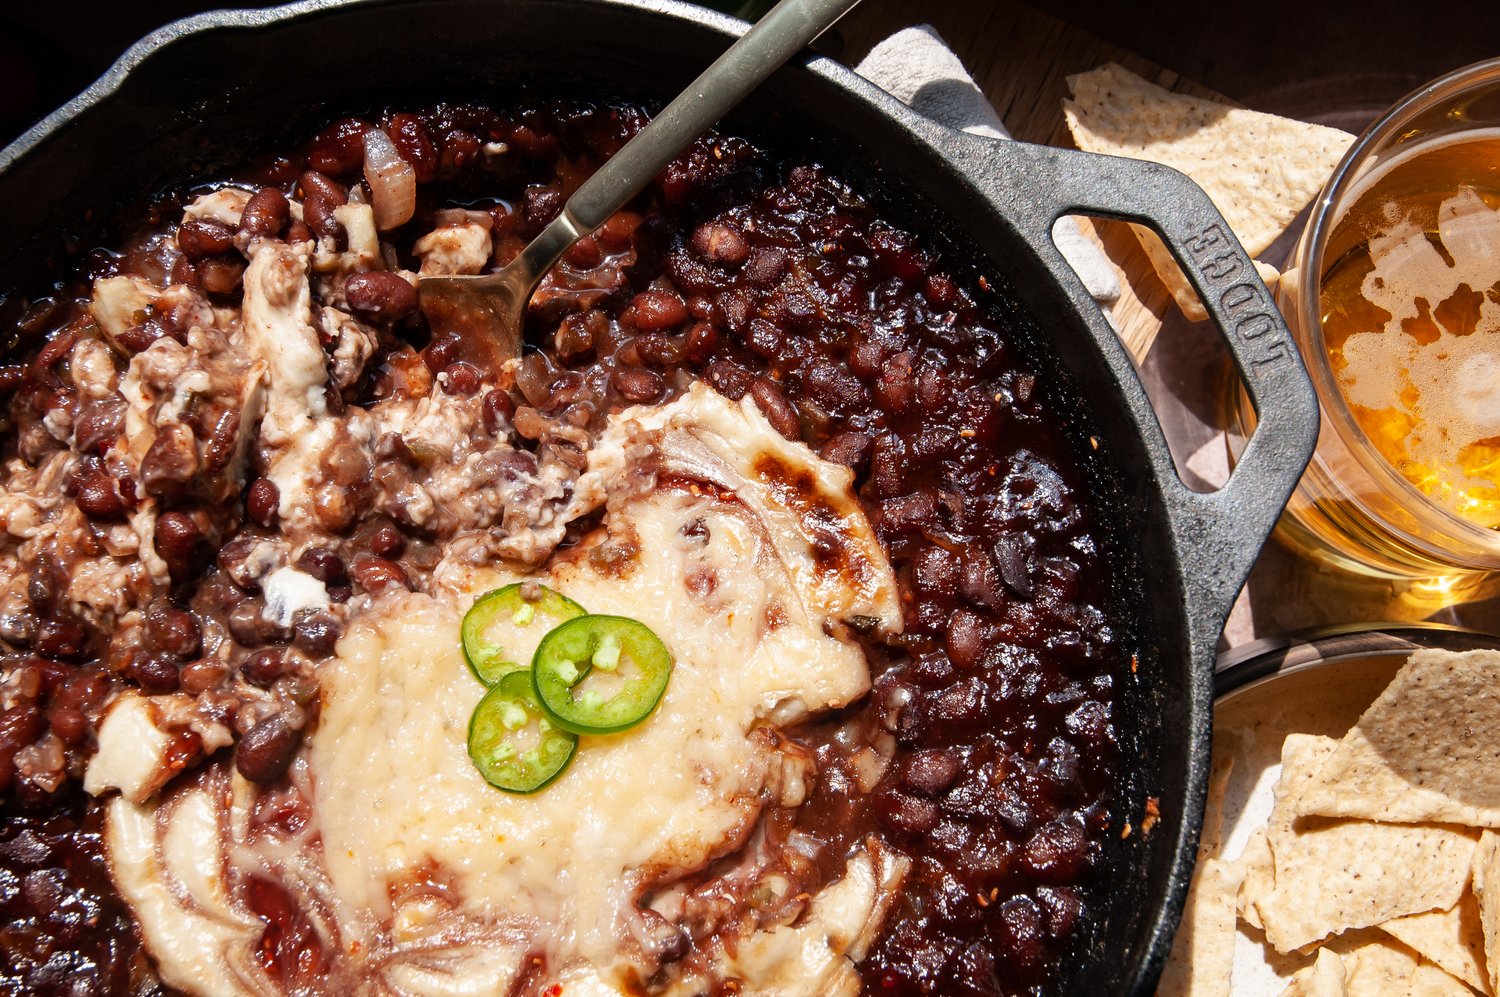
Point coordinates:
[(1020, 58)]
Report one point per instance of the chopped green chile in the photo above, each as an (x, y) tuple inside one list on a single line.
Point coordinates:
[(600, 674), (502, 629), (511, 740)]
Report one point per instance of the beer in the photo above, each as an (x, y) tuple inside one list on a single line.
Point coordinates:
[(1410, 310)]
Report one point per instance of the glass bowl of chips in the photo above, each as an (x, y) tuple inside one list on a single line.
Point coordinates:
[(1393, 300)]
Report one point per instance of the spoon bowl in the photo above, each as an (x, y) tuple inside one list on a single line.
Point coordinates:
[(488, 311)]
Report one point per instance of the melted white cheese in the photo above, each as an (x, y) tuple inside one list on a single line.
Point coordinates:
[(175, 887), (806, 504), (729, 579), (132, 746), (278, 329), (396, 787), (288, 590)]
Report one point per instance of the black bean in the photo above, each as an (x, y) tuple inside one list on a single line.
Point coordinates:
[(895, 386), (1058, 852), (1020, 931), (702, 341), (720, 242), (734, 309), (177, 539), (68, 723), (200, 238), (849, 448), (940, 291), (376, 574), (962, 702), (766, 266), (380, 296), (778, 410), (542, 204), (930, 772), (462, 379), (155, 673), (200, 676), (248, 627), (638, 385), (19, 726), (320, 185), (316, 633), (1011, 559), (317, 213), (498, 408), (905, 813), (173, 631), (655, 310), (911, 513), (339, 148), (60, 638), (1089, 722), (866, 358), (981, 580), (265, 214), (322, 563), (414, 145), (968, 635), (98, 497), (888, 465), (267, 749), (1062, 908), (264, 667), (183, 272), (262, 502), (99, 425), (139, 337), (221, 274), (387, 541)]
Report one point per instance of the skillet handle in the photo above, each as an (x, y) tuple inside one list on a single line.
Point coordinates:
[(1217, 535)]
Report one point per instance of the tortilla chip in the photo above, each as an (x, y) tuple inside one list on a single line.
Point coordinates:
[(1428, 980), (1165, 265), (1335, 875), (1324, 978), (1211, 839), (1375, 968), (1450, 939), (1259, 169), (1425, 751), (1203, 952), (1258, 877), (1487, 889)]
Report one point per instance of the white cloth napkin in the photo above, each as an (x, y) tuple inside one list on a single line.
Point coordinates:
[(916, 67)]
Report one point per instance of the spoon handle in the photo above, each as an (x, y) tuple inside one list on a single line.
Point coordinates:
[(782, 33), (778, 36)]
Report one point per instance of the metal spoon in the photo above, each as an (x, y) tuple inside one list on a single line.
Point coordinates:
[(489, 310)]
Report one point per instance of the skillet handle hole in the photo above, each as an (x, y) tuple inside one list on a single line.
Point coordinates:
[(1183, 363)]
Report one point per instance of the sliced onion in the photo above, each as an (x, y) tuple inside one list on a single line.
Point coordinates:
[(393, 182)]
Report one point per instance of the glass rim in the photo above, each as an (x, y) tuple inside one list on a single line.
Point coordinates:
[(1309, 264)]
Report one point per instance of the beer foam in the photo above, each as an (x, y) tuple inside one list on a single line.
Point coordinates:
[(1447, 386)]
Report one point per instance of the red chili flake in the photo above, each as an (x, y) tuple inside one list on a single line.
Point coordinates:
[(1153, 814)]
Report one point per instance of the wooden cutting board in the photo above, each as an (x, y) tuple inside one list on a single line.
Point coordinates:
[(1021, 58)]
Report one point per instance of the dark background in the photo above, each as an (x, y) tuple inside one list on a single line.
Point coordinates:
[(1297, 59)]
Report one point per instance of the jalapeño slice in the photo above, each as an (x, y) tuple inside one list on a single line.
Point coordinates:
[(501, 630), (600, 674), (512, 742)]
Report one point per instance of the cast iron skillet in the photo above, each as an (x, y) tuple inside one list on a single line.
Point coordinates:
[(201, 93)]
